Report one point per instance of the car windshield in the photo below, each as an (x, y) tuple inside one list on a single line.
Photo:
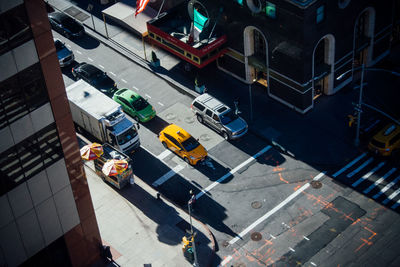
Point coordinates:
[(59, 45), (139, 104), (68, 22), (228, 117), (126, 136), (190, 144)]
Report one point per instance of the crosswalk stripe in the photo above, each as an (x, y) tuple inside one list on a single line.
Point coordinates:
[(387, 187), (395, 205), (379, 181), (355, 184), (362, 166), (349, 165), (164, 154), (168, 175), (393, 195)]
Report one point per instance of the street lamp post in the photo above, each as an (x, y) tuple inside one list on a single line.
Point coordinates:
[(190, 202), (251, 103), (360, 103)]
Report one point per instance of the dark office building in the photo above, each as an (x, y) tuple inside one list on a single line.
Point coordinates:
[(294, 48), (46, 213)]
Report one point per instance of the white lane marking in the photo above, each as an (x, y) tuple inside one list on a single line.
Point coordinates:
[(147, 95), (312, 263), (387, 187), (168, 175), (395, 205), (362, 166), (67, 45), (273, 237), (91, 60), (161, 104), (231, 172), (380, 180), (278, 207), (79, 52), (112, 73), (124, 81), (134, 87), (306, 238), (226, 260), (164, 154), (349, 165), (292, 249), (393, 195), (101, 66), (356, 183)]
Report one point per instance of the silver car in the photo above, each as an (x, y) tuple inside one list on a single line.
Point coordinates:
[(65, 56), (219, 117)]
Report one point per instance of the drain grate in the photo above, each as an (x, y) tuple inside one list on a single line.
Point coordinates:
[(316, 184), (76, 13), (256, 236), (256, 204)]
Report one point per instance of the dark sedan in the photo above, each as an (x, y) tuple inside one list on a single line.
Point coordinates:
[(65, 25), (95, 77)]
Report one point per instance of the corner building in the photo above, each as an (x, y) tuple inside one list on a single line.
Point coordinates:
[(46, 213)]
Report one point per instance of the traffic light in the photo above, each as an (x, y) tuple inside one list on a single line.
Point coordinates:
[(352, 120)]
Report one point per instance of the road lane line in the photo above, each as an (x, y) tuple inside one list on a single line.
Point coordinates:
[(161, 104), (380, 180), (91, 60), (147, 95), (312, 263), (164, 154), (278, 207), (124, 81), (306, 238), (362, 166), (134, 87), (79, 52), (101, 66), (292, 249), (67, 45), (112, 73), (168, 175), (349, 165), (387, 187), (359, 181), (273, 237), (393, 195), (226, 260), (395, 205), (231, 172)]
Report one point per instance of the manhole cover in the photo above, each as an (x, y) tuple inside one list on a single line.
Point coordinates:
[(170, 116), (204, 137), (189, 119), (225, 243), (256, 204), (256, 236), (239, 264), (316, 184)]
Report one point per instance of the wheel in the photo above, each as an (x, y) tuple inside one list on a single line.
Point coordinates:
[(187, 160), (200, 118), (225, 135), (164, 144)]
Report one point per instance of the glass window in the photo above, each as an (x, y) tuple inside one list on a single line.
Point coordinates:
[(49, 144), (215, 117), (208, 113), (270, 10), (199, 106), (320, 13), (240, 2), (190, 144)]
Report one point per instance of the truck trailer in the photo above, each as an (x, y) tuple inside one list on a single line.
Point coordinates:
[(101, 117)]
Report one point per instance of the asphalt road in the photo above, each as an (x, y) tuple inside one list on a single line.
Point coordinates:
[(258, 203)]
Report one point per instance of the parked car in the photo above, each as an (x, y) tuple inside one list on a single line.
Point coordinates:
[(387, 141), (135, 105), (219, 117), (65, 25), (65, 56), (183, 144), (95, 77)]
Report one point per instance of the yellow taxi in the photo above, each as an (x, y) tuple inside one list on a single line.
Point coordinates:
[(386, 141), (183, 144)]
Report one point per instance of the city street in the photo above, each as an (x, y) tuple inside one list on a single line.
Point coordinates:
[(263, 207)]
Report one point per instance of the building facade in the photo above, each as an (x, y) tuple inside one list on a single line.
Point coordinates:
[(46, 213)]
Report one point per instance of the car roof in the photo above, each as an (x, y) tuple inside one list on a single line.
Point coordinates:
[(89, 68), (58, 15), (177, 132), (212, 103), (387, 133), (127, 94)]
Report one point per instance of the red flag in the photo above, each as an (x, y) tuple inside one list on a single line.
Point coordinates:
[(140, 6)]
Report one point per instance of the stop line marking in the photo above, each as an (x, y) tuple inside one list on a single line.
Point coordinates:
[(168, 175), (233, 171)]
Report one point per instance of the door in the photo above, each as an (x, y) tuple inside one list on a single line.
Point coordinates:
[(127, 107), (208, 119)]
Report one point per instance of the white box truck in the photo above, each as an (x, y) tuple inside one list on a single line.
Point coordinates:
[(102, 117)]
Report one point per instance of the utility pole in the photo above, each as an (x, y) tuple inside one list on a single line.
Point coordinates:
[(190, 202), (358, 108)]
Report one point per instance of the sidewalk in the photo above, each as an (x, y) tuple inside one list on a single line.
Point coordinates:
[(142, 230)]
